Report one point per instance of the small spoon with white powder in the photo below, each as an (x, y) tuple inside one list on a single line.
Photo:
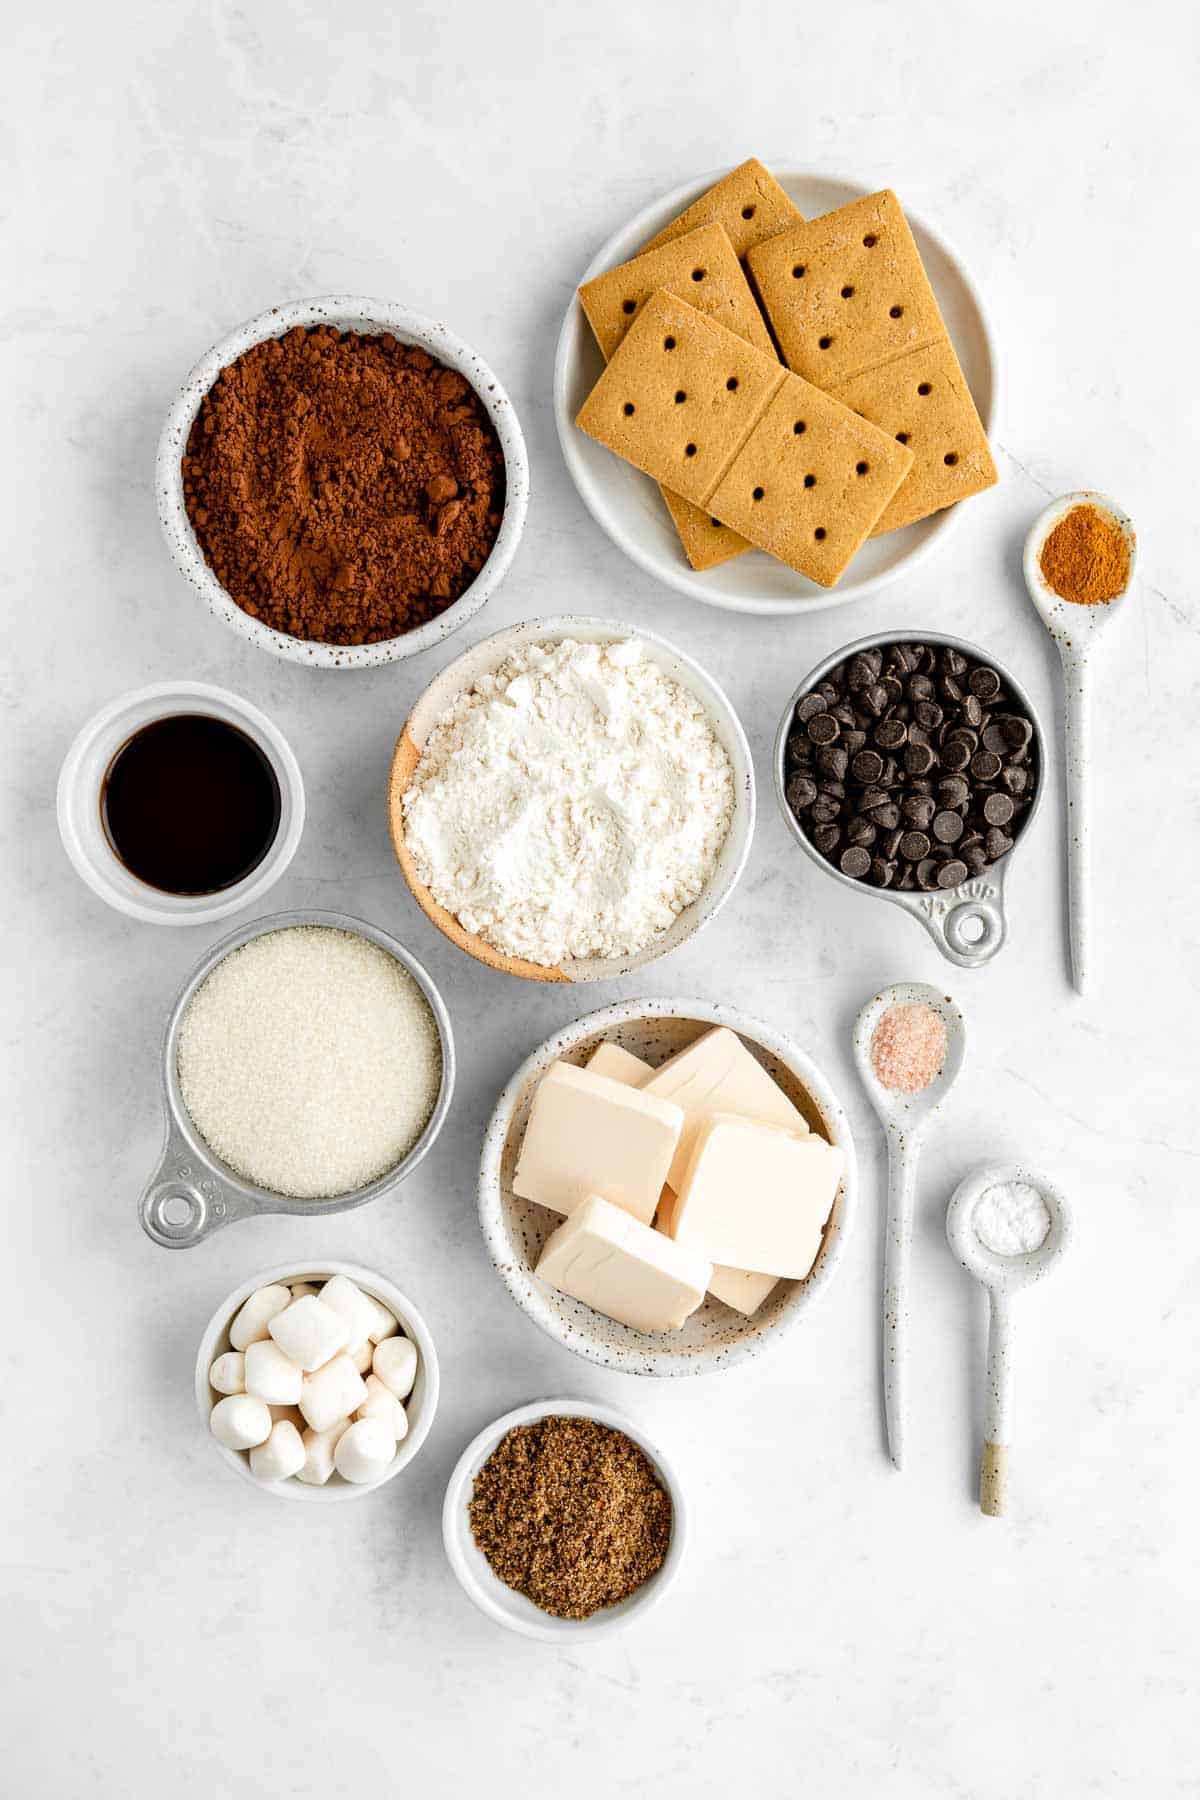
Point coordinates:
[(1007, 1225)]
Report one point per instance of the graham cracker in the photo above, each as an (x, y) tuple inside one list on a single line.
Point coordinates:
[(846, 292), (748, 202), (722, 424), (680, 397), (923, 400), (706, 542), (699, 267), (811, 481)]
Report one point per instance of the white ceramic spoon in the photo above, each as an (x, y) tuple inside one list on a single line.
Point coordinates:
[(905, 1119), (1077, 630), (1002, 1276)]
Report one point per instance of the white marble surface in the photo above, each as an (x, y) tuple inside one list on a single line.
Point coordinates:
[(170, 170)]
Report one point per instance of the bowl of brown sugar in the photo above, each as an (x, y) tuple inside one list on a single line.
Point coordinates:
[(342, 481)]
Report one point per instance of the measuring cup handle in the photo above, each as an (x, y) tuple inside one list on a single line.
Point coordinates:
[(184, 1202), (993, 1470), (967, 923)]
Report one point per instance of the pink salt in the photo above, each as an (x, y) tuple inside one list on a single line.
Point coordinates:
[(908, 1047)]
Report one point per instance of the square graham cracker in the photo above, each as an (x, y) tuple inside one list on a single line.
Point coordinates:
[(680, 397), (790, 468), (706, 542), (811, 481), (923, 400), (700, 267), (847, 291), (748, 202)]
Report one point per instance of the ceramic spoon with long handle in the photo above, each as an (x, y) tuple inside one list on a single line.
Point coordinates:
[(905, 1119), (1077, 630)]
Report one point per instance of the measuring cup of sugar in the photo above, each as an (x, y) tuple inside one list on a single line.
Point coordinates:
[(1008, 1225)]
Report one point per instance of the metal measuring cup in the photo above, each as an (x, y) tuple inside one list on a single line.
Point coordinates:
[(967, 923), (192, 1193)]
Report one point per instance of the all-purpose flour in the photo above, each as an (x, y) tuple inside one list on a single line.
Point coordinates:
[(571, 804)]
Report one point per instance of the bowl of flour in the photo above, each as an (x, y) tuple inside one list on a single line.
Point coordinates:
[(572, 799)]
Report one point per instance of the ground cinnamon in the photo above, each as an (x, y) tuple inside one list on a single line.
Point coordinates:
[(1085, 559), (343, 487)]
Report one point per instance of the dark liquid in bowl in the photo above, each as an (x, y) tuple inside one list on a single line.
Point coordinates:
[(190, 804)]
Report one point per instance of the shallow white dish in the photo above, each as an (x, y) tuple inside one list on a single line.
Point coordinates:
[(420, 1406), (514, 1230), (627, 504), (487, 655), (503, 1604), (348, 313), (81, 781)]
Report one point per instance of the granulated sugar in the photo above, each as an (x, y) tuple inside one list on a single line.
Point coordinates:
[(310, 1061)]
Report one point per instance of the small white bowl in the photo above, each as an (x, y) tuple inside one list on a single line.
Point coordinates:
[(81, 781), (503, 1604), (348, 313), (626, 504), (420, 1406), (514, 1230), (487, 655)]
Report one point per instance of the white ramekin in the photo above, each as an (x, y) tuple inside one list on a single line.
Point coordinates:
[(420, 1406), (81, 780), (503, 1605), (348, 313)]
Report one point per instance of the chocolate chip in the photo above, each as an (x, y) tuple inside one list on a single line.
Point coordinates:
[(1014, 779), (891, 843), (861, 831), (955, 755), (972, 711), (867, 766), (1016, 732), (826, 808), (800, 792), (809, 707), (975, 859), (914, 845), (853, 740), (954, 791), (918, 759), (996, 844), (947, 827), (887, 815), (832, 760), (799, 750), (998, 809), (954, 662), (883, 871), (890, 734), (951, 873), (919, 809), (919, 687), (985, 764), (823, 728), (875, 698), (860, 674), (994, 738), (984, 683), (927, 873), (855, 862), (827, 838), (928, 715)]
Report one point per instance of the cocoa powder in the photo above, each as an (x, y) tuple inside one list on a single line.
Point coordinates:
[(342, 487)]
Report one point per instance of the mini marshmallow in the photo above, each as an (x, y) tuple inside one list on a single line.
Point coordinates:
[(360, 1355), (385, 1324), (348, 1299), (332, 1393), (282, 1454), (395, 1363), (309, 1332), (250, 1324), (240, 1422), (300, 1288), (382, 1404), (228, 1373), (364, 1451), (319, 1447), (271, 1376)]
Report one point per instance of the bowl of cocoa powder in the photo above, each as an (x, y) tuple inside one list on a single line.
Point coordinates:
[(342, 481)]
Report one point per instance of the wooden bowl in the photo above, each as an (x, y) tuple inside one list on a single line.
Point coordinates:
[(486, 656)]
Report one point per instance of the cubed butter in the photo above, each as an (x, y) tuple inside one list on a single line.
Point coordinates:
[(588, 1134), (619, 1065), (624, 1268), (718, 1074), (755, 1197), (742, 1289)]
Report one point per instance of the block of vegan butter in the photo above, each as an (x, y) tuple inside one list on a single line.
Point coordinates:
[(755, 1197), (718, 1074), (619, 1065), (742, 1289), (588, 1134), (636, 1275)]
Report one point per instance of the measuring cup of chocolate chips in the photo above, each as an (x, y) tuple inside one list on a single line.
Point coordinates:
[(910, 767)]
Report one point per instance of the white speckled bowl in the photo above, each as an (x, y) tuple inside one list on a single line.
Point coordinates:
[(348, 313), (515, 1230), (503, 1604), (420, 1406), (487, 655)]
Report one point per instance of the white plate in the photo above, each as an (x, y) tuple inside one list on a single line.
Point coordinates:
[(627, 503)]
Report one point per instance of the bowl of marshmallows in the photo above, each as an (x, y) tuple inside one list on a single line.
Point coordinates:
[(317, 1384)]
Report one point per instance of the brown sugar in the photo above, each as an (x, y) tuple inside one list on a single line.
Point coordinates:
[(343, 487)]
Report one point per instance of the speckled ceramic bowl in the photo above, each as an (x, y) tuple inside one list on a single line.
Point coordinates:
[(515, 1230), (487, 655), (348, 313)]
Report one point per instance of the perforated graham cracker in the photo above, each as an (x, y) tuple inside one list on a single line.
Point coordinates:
[(748, 202), (706, 542), (680, 397), (811, 481), (846, 292), (923, 400), (717, 421), (700, 267)]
